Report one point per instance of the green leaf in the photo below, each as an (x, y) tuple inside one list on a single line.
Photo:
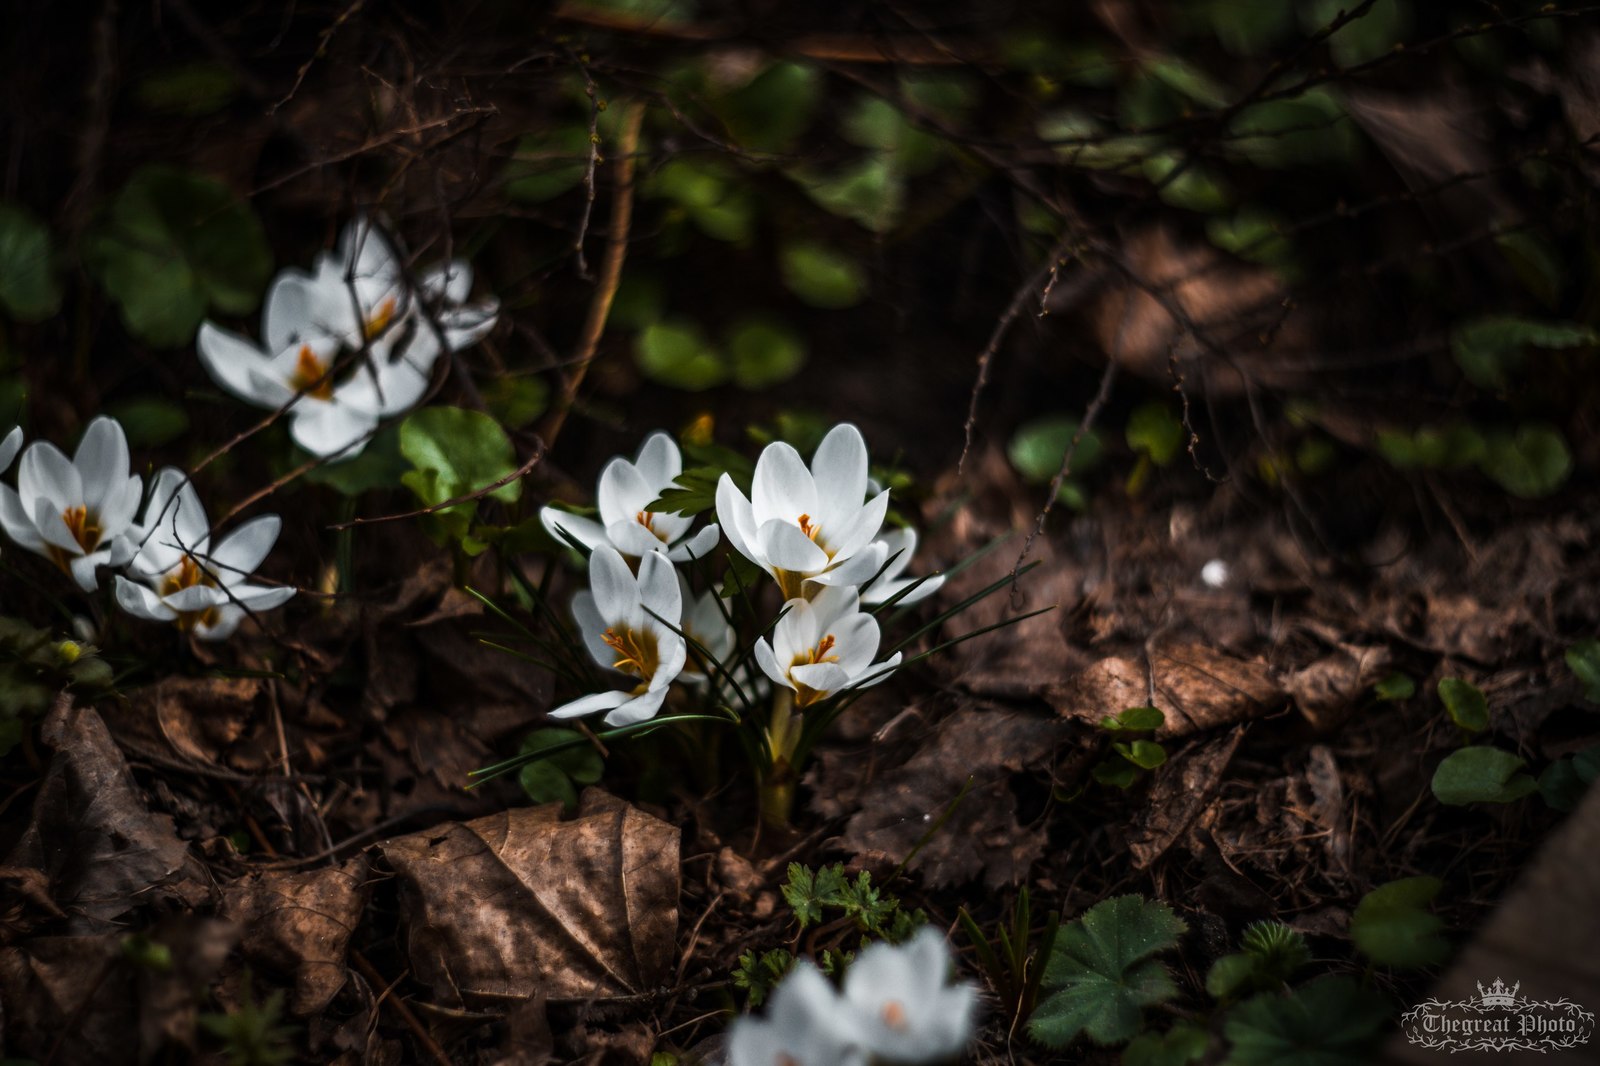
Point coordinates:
[(821, 276), (1565, 781), (1189, 81), (774, 108), (675, 352), (1396, 686), (1583, 659), (1533, 463), (1156, 431), (1038, 446), (710, 193), (1481, 774), (764, 353), (1194, 188), (30, 288), (454, 452), (1250, 29), (1391, 928), (1306, 130), (1134, 720), (1253, 234), (1180, 1045), (1278, 949), (188, 89), (545, 165), (1102, 975), (174, 246), (1375, 33), (640, 301), (1116, 772), (870, 191), (150, 421), (555, 777), (379, 466), (1490, 350), (1332, 1021), (1231, 973), (516, 401), (1145, 754), (1535, 263), (1466, 703)]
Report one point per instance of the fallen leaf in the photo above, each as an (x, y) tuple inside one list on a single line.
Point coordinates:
[(1328, 689), (299, 925), (91, 834), (521, 903), (1182, 789), (897, 806), (1195, 687)]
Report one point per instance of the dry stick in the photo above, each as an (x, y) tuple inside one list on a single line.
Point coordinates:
[(610, 272), (322, 50), (418, 1030), (475, 494)]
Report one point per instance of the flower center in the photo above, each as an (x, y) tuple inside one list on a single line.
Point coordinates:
[(894, 1015), (187, 574), (82, 527), (311, 375), (786, 1059), (636, 652), (647, 519), (807, 528), (380, 318), (805, 695)]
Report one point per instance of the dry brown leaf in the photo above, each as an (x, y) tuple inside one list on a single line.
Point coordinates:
[(1182, 789), (982, 837), (299, 924), (190, 719), (1197, 688), (1327, 690), (91, 834), (521, 903)]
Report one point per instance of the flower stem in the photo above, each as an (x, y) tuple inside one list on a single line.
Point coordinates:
[(783, 737)]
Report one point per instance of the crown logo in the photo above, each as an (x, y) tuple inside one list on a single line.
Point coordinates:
[(1497, 994)]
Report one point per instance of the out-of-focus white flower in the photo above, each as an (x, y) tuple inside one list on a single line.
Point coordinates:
[(182, 578), (899, 546), (624, 491), (616, 621), (74, 512), (9, 448), (905, 1010), (1214, 574), (823, 646), (808, 527), (806, 1025)]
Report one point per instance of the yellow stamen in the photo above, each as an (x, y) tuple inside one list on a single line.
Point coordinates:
[(188, 574), (894, 1015), (807, 528), (805, 695), (311, 375), (636, 652), (84, 528), (647, 519), (380, 319)]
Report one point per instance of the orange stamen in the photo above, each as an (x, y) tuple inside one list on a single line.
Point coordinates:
[(636, 652), (311, 375), (188, 574), (381, 318), (894, 1015), (807, 528)]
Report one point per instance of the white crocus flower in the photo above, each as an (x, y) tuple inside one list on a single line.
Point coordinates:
[(806, 1025), (626, 488), (904, 1009), (704, 621), (618, 627), (75, 512), (899, 546), (183, 578), (824, 645), (9, 448), (808, 528)]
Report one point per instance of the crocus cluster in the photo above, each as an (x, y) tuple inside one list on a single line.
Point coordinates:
[(897, 1006), (816, 530), (84, 514), (348, 343)]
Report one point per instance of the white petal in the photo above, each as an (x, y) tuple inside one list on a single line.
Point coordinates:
[(598, 701), (449, 284), (9, 448), (327, 429), (857, 638), (782, 487), (658, 587), (824, 677), (699, 546), (261, 597), (674, 652), (48, 520), (884, 591), (855, 570), (831, 604), (225, 619), (84, 566), (768, 661), (796, 632), (585, 531), (465, 326), (877, 673), (45, 473), (840, 472), (631, 538), (616, 593), (116, 513), (737, 519), (195, 598), (641, 707), (592, 627), (17, 523), (294, 310), (658, 461), (142, 602), (623, 493), (858, 532), (230, 360), (391, 390), (238, 554), (102, 462), (785, 547)]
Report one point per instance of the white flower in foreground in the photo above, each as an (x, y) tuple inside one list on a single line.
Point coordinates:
[(899, 546), (823, 646), (806, 1025), (183, 578), (615, 620), (905, 1011), (808, 526), (625, 489), (9, 448), (75, 512)]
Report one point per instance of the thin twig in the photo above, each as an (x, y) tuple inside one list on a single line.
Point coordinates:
[(418, 1030)]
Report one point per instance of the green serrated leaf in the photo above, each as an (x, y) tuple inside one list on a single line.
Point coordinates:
[(556, 776), (1332, 1021), (1391, 927), (1102, 974), (1481, 774), (1466, 703)]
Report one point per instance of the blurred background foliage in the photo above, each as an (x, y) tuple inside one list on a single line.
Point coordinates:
[(1286, 244)]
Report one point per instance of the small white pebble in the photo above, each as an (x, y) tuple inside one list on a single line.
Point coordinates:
[(927, 817), (1214, 574)]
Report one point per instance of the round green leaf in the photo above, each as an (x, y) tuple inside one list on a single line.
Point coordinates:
[(1466, 703), (764, 353), (455, 452), (822, 276), (1038, 447), (674, 352), (30, 289), (1391, 927), (516, 401), (1156, 431), (1481, 774), (1532, 463)]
